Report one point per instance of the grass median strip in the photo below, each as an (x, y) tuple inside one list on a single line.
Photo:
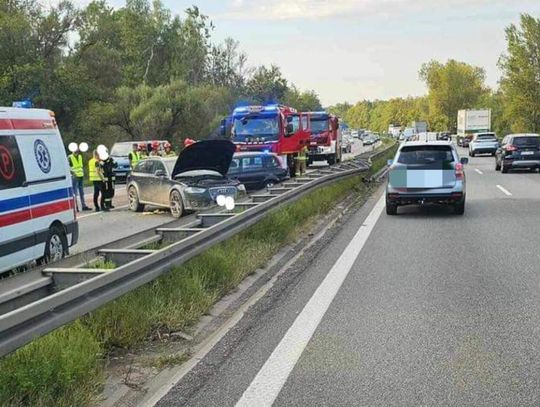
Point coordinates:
[(65, 367)]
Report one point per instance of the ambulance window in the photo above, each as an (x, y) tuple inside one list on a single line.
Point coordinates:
[(11, 167)]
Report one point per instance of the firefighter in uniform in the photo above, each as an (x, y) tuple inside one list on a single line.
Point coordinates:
[(301, 160), (168, 151), (95, 175), (77, 173), (108, 165), (134, 157)]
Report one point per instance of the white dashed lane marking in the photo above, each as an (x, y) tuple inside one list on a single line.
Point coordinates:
[(478, 171), (504, 190)]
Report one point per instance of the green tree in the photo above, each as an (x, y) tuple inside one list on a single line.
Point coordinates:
[(266, 85), (451, 87), (520, 83), (306, 101)]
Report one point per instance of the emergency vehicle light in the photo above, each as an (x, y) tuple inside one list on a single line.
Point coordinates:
[(23, 104)]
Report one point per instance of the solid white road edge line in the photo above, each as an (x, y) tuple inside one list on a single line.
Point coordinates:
[(504, 190), (214, 339), (478, 171), (268, 383)]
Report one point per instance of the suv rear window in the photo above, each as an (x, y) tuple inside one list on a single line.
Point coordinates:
[(526, 141), (486, 137), (426, 155)]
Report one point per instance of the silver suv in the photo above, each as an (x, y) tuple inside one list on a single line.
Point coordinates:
[(426, 172)]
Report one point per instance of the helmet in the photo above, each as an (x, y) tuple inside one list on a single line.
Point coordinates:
[(188, 142)]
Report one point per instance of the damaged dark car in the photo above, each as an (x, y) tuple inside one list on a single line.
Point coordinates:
[(196, 180)]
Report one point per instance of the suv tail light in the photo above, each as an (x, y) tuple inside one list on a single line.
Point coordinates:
[(510, 148), (459, 172)]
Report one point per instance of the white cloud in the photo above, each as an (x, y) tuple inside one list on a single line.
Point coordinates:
[(321, 9)]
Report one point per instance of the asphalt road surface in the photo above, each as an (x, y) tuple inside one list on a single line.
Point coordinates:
[(426, 308), (99, 228)]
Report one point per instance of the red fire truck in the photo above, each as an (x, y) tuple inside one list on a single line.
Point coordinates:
[(272, 128), (325, 138)]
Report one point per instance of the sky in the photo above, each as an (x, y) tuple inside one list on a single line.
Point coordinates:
[(350, 50)]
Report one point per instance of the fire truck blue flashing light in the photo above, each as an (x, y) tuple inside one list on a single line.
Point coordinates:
[(23, 104)]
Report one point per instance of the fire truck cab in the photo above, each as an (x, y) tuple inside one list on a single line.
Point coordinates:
[(272, 128), (325, 138)]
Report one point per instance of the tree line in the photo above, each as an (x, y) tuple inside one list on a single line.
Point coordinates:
[(130, 73), (455, 85)]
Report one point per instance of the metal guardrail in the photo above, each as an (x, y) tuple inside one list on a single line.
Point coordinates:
[(64, 294)]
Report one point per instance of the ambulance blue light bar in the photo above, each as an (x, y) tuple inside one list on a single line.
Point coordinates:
[(23, 104)]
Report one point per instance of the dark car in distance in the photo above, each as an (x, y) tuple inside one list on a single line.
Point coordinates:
[(197, 179), (257, 170), (518, 151)]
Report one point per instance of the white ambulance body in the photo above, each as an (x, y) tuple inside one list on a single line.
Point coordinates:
[(37, 208)]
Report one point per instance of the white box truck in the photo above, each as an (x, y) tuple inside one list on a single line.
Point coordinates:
[(470, 122)]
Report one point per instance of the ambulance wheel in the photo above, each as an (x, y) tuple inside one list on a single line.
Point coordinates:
[(56, 246), (133, 197), (176, 204), (331, 159)]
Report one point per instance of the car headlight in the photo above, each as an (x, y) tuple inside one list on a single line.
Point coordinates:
[(195, 190), (241, 188)]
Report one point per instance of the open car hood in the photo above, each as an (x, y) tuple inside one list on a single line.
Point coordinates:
[(213, 155)]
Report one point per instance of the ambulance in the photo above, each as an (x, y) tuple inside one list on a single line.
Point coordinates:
[(37, 208)]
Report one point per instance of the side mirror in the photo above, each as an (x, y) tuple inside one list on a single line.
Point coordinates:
[(464, 160), (160, 173), (390, 162)]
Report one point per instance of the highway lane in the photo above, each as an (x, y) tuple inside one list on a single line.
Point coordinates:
[(436, 309), (98, 229)]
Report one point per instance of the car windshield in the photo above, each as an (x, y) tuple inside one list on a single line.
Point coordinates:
[(526, 141), (426, 155), (121, 149), (318, 126), (265, 127)]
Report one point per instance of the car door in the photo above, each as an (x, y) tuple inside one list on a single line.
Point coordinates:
[(161, 184), (143, 177), (253, 172)]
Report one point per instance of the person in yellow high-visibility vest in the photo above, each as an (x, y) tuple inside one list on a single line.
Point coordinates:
[(301, 160), (135, 156), (96, 178), (77, 175)]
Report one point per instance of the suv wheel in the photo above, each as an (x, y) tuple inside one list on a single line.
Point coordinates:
[(459, 208), (176, 204), (391, 209), (471, 153), (133, 197)]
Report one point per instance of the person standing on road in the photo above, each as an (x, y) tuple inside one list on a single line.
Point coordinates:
[(134, 157), (108, 165), (301, 159), (168, 151), (77, 175), (95, 174)]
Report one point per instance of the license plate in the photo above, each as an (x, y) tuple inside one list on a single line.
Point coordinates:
[(527, 152)]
